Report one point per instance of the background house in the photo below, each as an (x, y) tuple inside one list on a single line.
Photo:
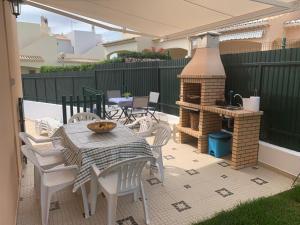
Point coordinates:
[(38, 47)]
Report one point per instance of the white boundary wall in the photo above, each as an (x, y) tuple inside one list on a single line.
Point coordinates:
[(37, 110), (280, 158)]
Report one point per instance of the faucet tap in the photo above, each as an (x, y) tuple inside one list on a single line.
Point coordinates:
[(238, 95)]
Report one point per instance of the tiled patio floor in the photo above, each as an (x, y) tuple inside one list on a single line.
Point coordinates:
[(196, 187)]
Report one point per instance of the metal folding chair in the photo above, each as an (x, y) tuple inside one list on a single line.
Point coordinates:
[(139, 107), (153, 104), (112, 108)]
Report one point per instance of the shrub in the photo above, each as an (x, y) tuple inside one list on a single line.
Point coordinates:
[(146, 54), (122, 56), (82, 67)]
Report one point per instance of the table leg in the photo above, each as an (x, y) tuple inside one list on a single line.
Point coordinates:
[(85, 202), (123, 112)]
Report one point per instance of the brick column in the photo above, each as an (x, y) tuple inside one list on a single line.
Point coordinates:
[(245, 142), (208, 123)]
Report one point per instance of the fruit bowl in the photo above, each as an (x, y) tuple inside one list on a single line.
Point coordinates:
[(102, 126)]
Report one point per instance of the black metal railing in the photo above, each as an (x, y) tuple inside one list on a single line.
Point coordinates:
[(92, 103)]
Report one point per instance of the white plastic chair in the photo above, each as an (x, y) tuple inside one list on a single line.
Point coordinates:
[(162, 136), (112, 109), (84, 116), (48, 125), (53, 180), (120, 179), (145, 125), (47, 158)]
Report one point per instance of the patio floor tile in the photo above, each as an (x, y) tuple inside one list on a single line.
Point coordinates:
[(184, 197)]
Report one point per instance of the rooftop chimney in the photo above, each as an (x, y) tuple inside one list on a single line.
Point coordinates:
[(45, 29), (206, 60)]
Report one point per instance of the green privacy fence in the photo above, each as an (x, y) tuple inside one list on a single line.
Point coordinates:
[(136, 78), (275, 75)]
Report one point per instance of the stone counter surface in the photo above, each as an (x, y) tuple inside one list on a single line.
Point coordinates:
[(227, 112), (245, 136)]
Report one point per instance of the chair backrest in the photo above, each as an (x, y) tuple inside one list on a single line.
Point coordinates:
[(129, 172), (113, 93), (162, 134), (84, 116), (26, 139), (153, 97), (140, 102)]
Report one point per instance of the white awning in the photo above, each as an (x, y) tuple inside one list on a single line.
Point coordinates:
[(166, 18), (242, 36)]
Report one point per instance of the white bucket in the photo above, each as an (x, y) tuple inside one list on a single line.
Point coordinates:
[(251, 104)]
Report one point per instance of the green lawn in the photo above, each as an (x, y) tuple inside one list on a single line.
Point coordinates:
[(280, 209)]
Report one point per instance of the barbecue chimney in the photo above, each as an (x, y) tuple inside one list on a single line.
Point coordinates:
[(202, 83)]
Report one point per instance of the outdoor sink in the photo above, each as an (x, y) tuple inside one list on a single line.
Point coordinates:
[(230, 107)]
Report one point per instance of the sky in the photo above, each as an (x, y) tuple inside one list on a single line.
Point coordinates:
[(61, 24)]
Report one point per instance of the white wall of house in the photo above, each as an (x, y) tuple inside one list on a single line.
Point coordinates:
[(178, 43), (46, 47), (64, 45), (133, 46), (28, 33), (82, 41), (98, 52), (144, 43)]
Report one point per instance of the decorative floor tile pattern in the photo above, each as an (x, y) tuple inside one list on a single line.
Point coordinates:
[(224, 192), (224, 176), (181, 206), (201, 198), (224, 164), (168, 157), (192, 172), (187, 186), (54, 206), (153, 181), (127, 221), (259, 181)]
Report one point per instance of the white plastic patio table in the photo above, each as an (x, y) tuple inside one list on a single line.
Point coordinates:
[(84, 148)]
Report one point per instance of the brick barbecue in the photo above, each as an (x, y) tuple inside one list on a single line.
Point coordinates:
[(202, 84)]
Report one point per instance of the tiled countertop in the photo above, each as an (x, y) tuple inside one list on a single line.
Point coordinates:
[(233, 113)]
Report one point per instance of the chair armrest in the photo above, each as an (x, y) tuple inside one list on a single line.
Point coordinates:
[(157, 146), (131, 125), (49, 152), (95, 170), (59, 168), (43, 140)]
